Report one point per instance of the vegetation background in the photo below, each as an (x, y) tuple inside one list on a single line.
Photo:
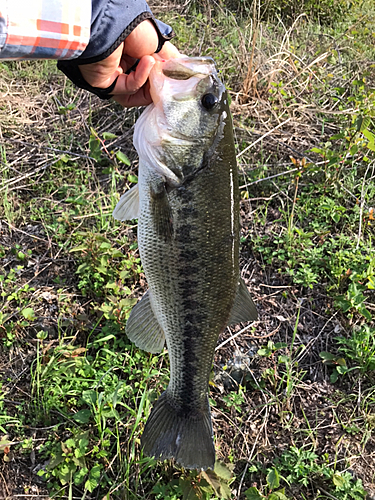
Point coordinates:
[(293, 394)]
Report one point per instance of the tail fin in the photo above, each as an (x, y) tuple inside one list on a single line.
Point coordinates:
[(186, 437)]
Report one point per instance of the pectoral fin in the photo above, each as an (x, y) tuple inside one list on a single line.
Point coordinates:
[(128, 206), (143, 328), (244, 308), (161, 210)]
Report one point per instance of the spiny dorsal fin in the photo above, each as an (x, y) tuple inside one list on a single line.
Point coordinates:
[(244, 308), (128, 206), (143, 328)]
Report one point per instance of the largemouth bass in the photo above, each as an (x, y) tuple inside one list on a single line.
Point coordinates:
[(187, 205)]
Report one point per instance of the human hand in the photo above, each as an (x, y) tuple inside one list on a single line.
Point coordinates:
[(133, 89)]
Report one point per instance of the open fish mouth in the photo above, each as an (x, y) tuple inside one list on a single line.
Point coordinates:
[(181, 78)]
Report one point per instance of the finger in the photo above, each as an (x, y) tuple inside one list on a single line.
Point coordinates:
[(168, 51), (130, 84), (140, 98), (143, 40), (127, 62)]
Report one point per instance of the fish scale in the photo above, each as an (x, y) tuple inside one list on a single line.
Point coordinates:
[(200, 284), (188, 238)]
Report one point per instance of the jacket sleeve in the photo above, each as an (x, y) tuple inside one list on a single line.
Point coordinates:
[(44, 29), (112, 21), (85, 31)]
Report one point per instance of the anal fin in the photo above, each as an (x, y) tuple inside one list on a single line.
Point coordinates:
[(128, 206), (143, 328), (244, 308)]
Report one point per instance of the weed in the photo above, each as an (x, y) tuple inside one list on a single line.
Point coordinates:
[(235, 399), (272, 491), (300, 466), (105, 268), (358, 351)]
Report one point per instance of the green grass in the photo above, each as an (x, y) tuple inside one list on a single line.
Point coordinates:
[(293, 410)]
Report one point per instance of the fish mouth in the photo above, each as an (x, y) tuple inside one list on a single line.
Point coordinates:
[(178, 69)]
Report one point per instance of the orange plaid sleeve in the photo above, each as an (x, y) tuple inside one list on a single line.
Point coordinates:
[(44, 29)]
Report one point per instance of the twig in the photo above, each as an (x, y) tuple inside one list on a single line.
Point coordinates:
[(312, 341), (5, 483), (263, 136), (252, 450), (251, 336), (24, 232), (278, 286), (29, 174), (315, 61), (38, 146), (325, 492), (271, 177)]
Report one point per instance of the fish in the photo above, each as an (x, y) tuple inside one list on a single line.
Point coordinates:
[(187, 204)]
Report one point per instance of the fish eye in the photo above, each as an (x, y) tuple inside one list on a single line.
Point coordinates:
[(209, 101)]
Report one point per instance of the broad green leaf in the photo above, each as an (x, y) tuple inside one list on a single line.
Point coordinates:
[(80, 248), (90, 396), (273, 479), (341, 369), (283, 359), (341, 362), (327, 356), (369, 135), (80, 476), (70, 443), (122, 158), (82, 416), (188, 490), (222, 471), (93, 480), (116, 254), (94, 146), (264, 352), (28, 313), (335, 137), (66, 472), (280, 495), (281, 345), (212, 479), (225, 491), (132, 178), (108, 136), (55, 461), (365, 312), (253, 494), (338, 480), (334, 376)]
